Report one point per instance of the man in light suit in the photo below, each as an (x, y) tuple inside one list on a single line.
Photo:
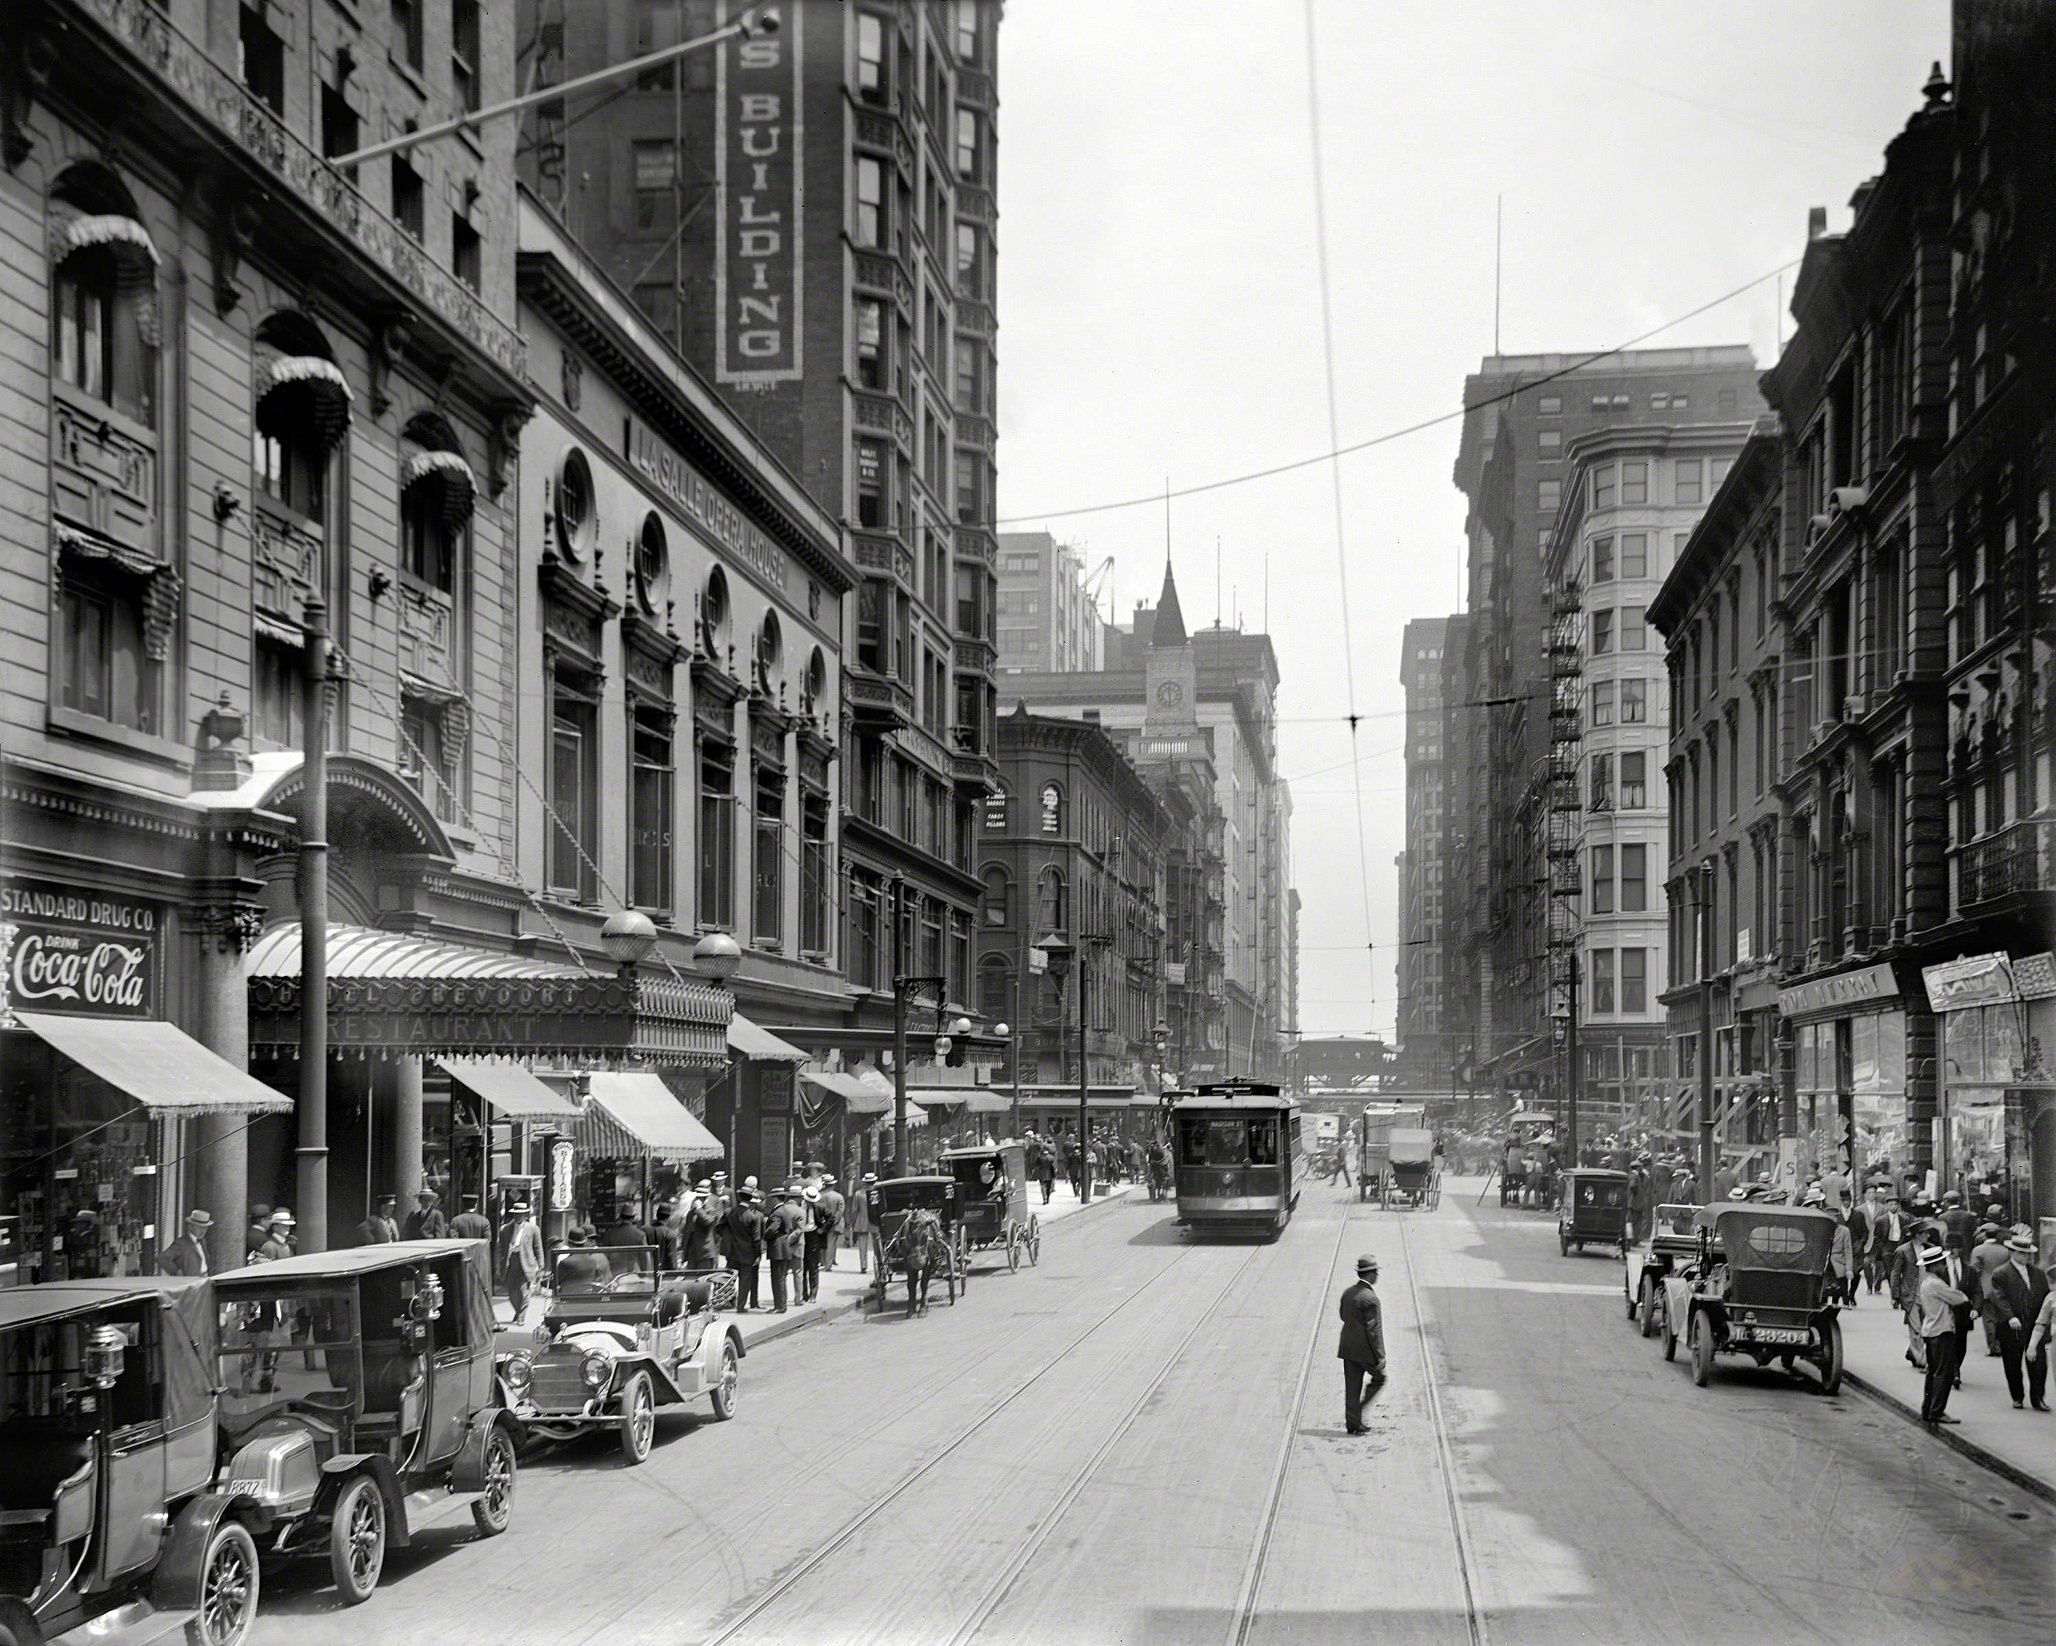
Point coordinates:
[(524, 1260), (1362, 1349), (187, 1255)]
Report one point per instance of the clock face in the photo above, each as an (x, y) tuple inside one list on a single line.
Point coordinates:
[(1170, 694)]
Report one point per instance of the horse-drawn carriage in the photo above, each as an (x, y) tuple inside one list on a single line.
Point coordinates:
[(992, 1192), (917, 1230), (1413, 1172)]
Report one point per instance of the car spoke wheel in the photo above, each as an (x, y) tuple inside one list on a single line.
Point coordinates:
[(491, 1512), (639, 1419), (228, 1588), (725, 1385), (18, 1626), (1013, 1252), (1702, 1350), (1670, 1337), (357, 1540), (1647, 1312), (1831, 1359)]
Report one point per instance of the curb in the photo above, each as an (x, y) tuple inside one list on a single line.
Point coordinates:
[(2032, 1484)]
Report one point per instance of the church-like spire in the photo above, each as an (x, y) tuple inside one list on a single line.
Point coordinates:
[(1169, 628)]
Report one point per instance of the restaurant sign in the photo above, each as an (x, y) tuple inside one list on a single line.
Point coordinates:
[(757, 179), (77, 952)]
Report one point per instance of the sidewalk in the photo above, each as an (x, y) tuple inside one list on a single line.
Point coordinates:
[(845, 1288), (2019, 1445)]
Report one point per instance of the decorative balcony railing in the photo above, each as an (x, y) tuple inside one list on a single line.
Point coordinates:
[(2019, 858)]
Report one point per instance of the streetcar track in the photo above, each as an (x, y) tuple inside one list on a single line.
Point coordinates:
[(1466, 1560), (1260, 1552), (996, 1592), (747, 1511), (812, 1562)]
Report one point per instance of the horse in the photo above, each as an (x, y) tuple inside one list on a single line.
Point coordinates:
[(921, 1247)]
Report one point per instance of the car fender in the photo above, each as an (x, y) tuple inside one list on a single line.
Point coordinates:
[(1717, 1312), (467, 1469), (175, 1584), (1677, 1301), (339, 1471)]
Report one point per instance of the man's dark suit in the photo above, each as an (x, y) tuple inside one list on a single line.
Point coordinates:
[(2015, 1296), (1361, 1351)]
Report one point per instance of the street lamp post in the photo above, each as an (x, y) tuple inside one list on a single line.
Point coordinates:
[(719, 956), (311, 1155), (1706, 1149), (903, 986)]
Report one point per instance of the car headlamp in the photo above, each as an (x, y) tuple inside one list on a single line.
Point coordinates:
[(595, 1371), (519, 1373)]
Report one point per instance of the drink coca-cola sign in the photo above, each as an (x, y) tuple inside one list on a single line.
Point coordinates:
[(77, 952)]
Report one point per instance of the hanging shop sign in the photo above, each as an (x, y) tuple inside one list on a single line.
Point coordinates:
[(77, 952), (562, 1153), (1825, 994)]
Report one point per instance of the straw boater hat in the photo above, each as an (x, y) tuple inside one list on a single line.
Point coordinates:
[(2021, 1243), (1932, 1254), (280, 1216)]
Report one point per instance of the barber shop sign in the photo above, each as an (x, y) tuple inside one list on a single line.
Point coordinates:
[(77, 953)]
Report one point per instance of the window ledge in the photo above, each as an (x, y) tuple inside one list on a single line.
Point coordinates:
[(409, 73), (89, 727)]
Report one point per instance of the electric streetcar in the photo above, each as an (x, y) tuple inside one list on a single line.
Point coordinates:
[(1236, 1156)]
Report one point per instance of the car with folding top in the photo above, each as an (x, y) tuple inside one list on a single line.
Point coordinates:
[(358, 1403), (622, 1336), (1757, 1285), (109, 1529)]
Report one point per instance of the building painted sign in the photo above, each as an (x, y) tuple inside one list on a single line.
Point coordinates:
[(77, 952), (1825, 994), (758, 181), (703, 503)]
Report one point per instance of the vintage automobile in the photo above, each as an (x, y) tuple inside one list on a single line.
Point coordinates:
[(1673, 1240), (1757, 1286), (359, 1404), (108, 1531), (622, 1337), (1593, 1210)]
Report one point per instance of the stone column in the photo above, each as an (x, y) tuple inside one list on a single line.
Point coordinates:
[(400, 1172), (220, 1173)]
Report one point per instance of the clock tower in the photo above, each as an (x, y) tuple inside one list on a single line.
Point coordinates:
[(1170, 671)]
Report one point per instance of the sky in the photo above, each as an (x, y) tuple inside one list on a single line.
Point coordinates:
[(1160, 305)]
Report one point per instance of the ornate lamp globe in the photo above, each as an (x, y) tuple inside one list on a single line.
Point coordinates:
[(717, 956), (627, 936)]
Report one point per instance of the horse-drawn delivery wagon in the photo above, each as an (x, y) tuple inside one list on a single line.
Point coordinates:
[(992, 1189)]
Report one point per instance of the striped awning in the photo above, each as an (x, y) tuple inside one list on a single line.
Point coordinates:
[(748, 1039), (512, 1091), (635, 1113), (160, 1066), (401, 994)]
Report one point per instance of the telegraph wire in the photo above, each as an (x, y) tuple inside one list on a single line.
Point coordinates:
[(1578, 365)]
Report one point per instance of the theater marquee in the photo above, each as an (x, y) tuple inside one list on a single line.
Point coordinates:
[(757, 245)]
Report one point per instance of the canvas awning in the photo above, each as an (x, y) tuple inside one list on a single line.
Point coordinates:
[(401, 994), (1099, 1097), (851, 1090), (160, 1066), (971, 1099), (513, 1091), (747, 1039), (636, 1113)]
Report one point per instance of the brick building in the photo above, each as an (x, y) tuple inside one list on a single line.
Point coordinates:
[(1046, 619), (809, 219)]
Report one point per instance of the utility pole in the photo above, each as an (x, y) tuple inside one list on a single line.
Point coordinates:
[(1084, 1082), (899, 1032), (1570, 1081), (311, 1156), (1706, 1149)]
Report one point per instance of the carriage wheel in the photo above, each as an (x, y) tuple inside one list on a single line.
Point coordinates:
[(1034, 1240), (1013, 1250)]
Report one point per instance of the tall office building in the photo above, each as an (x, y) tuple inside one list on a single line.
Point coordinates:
[(808, 216), (1522, 415), (1420, 1028), (1047, 619)]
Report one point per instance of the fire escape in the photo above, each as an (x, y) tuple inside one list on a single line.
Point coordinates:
[(1564, 819)]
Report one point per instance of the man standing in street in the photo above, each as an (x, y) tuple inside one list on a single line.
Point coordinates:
[(1957, 1223), (1957, 1273), (699, 1227), (187, 1255), (379, 1229), (524, 1260), (781, 1241), (1987, 1258), (1046, 1169), (1723, 1181), (1938, 1304), (1362, 1349), (625, 1231), (260, 1223), (815, 1241), (1905, 1282), (2018, 1291), (278, 1238), (1887, 1235), (1073, 1159), (426, 1221), (470, 1223), (859, 1215)]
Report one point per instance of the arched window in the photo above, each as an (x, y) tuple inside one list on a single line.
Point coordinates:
[(103, 296), (302, 415), (714, 616), (998, 896), (437, 494), (995, 988), (770, 648), (1049, 902), (652, 565)]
